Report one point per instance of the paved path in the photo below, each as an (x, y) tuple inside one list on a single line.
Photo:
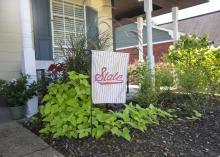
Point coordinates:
[(4, 115), (17, 141)]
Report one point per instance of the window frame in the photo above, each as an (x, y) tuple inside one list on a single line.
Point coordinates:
[(52, 22)]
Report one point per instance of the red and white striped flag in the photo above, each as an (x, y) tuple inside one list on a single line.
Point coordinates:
[(109, 77)]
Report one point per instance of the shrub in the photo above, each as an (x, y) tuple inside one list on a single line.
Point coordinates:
[(77, 51), (18, 91), (164, 75), (190, 80), (197, 64), (67, 113), (148, 94)]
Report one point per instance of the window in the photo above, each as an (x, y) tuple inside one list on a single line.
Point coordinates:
[(68, 19)]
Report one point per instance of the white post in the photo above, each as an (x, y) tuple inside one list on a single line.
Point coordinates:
[(28, 53), (175, 24), (140, 26), (148, 8)]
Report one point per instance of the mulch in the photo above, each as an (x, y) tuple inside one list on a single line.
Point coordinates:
[(199, 138)]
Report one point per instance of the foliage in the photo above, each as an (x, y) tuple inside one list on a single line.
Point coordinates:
[(148, 94), (56, 71), (2, 82), (18, 91), (197, 64), (185, 113), (132, 74), (164, 75), (67, 113), (77, 50), (190, 80)]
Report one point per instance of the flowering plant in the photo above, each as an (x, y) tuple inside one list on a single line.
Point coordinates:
[(56, 71)]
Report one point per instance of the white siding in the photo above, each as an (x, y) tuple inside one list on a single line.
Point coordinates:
[(10, 42)]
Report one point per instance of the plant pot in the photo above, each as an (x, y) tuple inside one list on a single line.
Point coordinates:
[(17, 112)]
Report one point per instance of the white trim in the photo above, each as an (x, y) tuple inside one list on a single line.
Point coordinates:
[(52, 28), (85, 23), (170, 32), (175, 24), (27, 51), (161, 28), (136, 46), (43, 64), (140, 27)]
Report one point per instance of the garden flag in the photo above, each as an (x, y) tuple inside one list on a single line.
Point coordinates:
[(109, 77)]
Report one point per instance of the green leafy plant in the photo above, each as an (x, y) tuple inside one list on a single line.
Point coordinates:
[(164, 75), (197, 64), (148, 94), (18, 91), (67, 113)]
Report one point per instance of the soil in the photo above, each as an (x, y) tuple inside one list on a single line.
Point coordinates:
[(199, 138)]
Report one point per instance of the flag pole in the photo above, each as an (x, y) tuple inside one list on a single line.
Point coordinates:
[(91, 93)]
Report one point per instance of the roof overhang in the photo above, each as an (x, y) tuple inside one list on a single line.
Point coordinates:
[(125, 9)]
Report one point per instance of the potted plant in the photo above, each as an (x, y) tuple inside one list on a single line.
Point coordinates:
[(17, 92)]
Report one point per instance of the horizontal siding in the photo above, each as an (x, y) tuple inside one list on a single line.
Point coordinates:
[(10, 66), (9, 27), (127, 35), (10, 39), (10, 57), (9, 75)]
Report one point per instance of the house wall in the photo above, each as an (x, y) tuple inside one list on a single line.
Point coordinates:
[(10, 34), (127, 35), (159, 51), (10, 39), (104, 9)]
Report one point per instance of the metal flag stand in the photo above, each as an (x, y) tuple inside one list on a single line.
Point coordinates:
[(91, 110), (90, 52)]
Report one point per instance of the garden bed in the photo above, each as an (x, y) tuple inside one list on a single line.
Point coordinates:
[(186, 138)]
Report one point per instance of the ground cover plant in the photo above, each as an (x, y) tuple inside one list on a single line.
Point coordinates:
[(67, 113)]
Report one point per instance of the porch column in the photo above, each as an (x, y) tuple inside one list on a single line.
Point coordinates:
[(28, 65), (140, 26), (148, 8), (175, 24)]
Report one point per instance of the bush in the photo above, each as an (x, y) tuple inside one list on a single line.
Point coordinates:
[(77, 50), (197, 64), (67, 113), (140, 74), (164, 75), (147, 93), (18, 91)]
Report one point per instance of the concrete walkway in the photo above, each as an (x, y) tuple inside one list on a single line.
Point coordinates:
[(17, 141)]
